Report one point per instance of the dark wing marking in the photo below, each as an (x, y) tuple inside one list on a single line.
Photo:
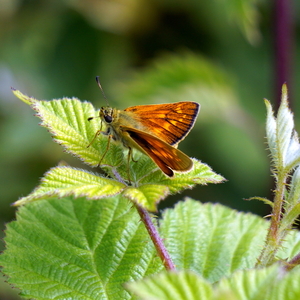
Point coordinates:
[(164, 155)]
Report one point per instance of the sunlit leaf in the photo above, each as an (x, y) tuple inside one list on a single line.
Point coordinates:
[(212, 240), (67, 181), (67, 121), (172, 285), (271, 283), (77, 249)]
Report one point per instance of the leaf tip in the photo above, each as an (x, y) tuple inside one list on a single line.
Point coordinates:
[(284, 95), (26, 99), (17, 203)]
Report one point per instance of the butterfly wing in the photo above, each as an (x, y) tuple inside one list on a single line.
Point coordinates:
[(169, 122), (164, 155)]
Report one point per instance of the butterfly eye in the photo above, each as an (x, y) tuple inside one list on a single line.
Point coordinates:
[(108, 118)]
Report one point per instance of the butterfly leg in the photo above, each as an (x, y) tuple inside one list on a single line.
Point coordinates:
[(133, 159), (93, 140), (95, 136), (128, 163), (106, 150)]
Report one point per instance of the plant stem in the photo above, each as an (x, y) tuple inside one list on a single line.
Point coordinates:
[(278, 201), (274, 237), (294, 262), (156, 239)]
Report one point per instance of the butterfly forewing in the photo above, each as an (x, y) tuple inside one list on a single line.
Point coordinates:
[(170, 122)]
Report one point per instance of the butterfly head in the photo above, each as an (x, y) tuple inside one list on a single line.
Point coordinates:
[(107, 114)]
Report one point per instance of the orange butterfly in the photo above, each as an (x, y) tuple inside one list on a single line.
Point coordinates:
[(155, 130)]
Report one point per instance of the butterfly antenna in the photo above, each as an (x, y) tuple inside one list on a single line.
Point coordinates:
[(100, 86)]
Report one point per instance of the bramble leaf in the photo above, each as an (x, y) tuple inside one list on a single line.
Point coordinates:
[(284, 146), (140, 180), (67, 121), (77, 249), (80, 249), (271, 283), (172, 285), (66, 181), (212, 240), (282, 138)]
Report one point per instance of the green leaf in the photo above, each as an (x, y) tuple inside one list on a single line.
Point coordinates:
[(287, 286), (66, 181), (247, 285), (282, 139), (262, 199), (67, 120), (285, 152), (271, 283), (200, 174), (212, 240), (172, 285), (26, 99), (289, 217), (77, 249), (290, 246), (285, 127), (147, 195), (271, 128), (294, 190)]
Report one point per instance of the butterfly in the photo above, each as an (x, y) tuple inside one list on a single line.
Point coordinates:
[(154, 130)]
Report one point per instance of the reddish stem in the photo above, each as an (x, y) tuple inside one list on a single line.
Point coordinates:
[(156, 239), (294, 262)]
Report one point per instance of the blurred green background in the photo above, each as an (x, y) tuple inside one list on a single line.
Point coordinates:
[(218, 53)]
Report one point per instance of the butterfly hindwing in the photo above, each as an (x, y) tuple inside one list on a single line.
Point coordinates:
[(164, 155)]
